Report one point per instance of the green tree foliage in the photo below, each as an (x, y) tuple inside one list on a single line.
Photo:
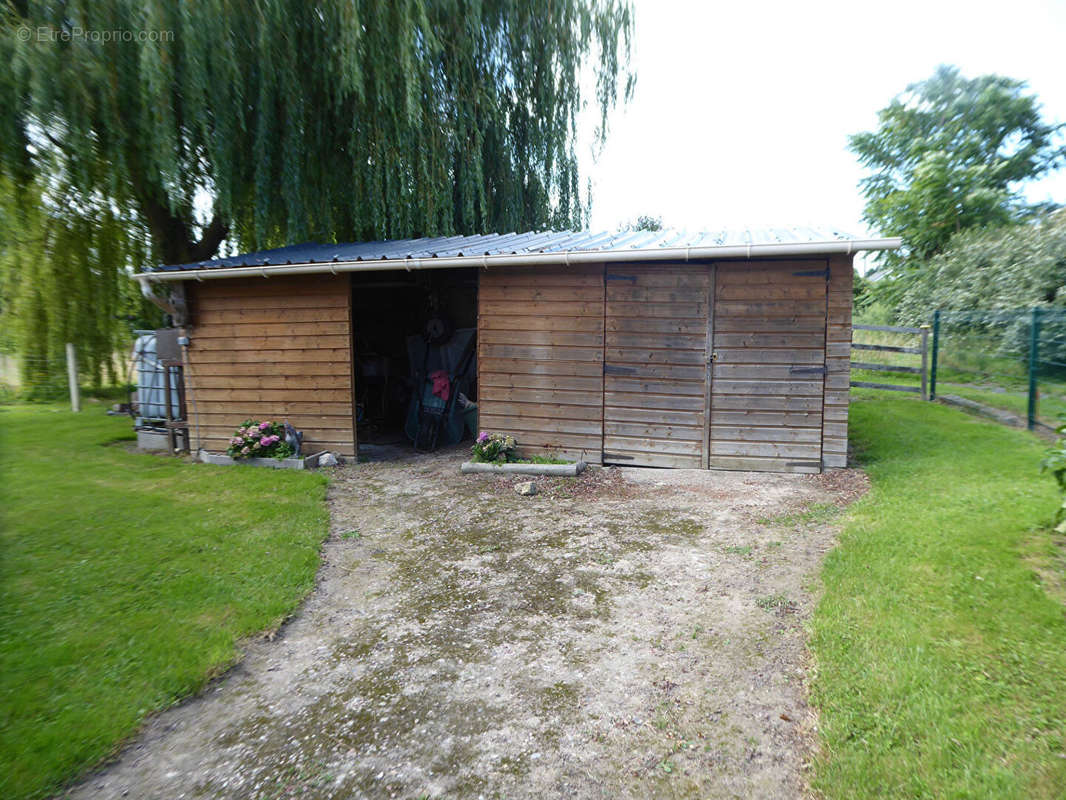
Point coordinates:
[(645, 222), (347, 120), (63, 279), (950, 154), (862, 293), (264, 122), (1004, 267)]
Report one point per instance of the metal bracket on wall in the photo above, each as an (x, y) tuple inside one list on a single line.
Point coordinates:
[(613, 277), (610, 370), (813, 273), (807, 371)]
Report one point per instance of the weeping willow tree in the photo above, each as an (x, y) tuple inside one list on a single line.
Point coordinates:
[(65, 278), (190, 126)]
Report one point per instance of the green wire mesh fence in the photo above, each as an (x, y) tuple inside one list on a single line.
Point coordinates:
[(1014, 360)]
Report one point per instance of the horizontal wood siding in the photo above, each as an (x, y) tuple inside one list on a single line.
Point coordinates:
[(767, 387), (838, 364), (540, 358), (277, 348), (655, 364)]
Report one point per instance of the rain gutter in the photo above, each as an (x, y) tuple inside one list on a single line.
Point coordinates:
[(734, 251)]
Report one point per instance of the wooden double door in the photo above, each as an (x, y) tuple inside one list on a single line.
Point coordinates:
[(715, 365), (665, 365)]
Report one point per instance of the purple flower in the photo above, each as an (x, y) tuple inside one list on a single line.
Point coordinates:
[(265, 441), (483, 437), (264, 426)]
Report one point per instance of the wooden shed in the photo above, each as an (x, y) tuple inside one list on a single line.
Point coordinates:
[(713, 351)]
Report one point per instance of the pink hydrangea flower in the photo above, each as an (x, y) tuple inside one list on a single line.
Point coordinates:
[(265, 441), (264, 426), (244, 451)]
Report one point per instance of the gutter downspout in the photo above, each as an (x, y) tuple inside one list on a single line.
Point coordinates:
[(173, 304), (744, 251), (152, 297)]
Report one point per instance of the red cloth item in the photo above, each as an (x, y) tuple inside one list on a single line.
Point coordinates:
[(442, 387)]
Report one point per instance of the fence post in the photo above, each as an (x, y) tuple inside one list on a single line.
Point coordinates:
[(1034, 364), (72, 378), (925, 361), (936, 353)]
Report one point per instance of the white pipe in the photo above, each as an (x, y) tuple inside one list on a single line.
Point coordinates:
[(149, 294), (746, 251)]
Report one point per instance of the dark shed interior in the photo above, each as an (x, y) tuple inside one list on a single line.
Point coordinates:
[(391, 310)]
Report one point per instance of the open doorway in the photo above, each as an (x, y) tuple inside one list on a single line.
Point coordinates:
[(414, 339)]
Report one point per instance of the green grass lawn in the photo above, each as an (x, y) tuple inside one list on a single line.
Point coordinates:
[(997, 391), (1051, 405), (941, 657), (126, 582)]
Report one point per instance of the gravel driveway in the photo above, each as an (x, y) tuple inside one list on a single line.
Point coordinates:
[(628, 633)]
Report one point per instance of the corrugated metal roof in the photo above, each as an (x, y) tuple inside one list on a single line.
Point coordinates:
[(495, 244)]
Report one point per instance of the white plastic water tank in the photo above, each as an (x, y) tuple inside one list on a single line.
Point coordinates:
[(151, 389)]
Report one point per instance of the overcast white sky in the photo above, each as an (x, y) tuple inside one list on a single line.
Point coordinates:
[(742, 109)]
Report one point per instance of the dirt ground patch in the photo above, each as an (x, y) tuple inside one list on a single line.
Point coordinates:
[(627, 633)]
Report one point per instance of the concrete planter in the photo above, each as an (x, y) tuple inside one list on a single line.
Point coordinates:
[(151, 440), (524, 469), (302, 462), (154, 439), (1000, 416)]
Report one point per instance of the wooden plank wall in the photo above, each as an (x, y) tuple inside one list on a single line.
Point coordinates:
[(277, 348), (540, 358), (655, 364), (769, 329), (837, 363)]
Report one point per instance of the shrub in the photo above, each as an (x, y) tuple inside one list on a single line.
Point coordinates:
[(494, 447), (999, 268), (255, 439), (1055, 463)]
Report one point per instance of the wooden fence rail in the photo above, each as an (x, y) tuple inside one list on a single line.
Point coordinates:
[(922, 349)]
